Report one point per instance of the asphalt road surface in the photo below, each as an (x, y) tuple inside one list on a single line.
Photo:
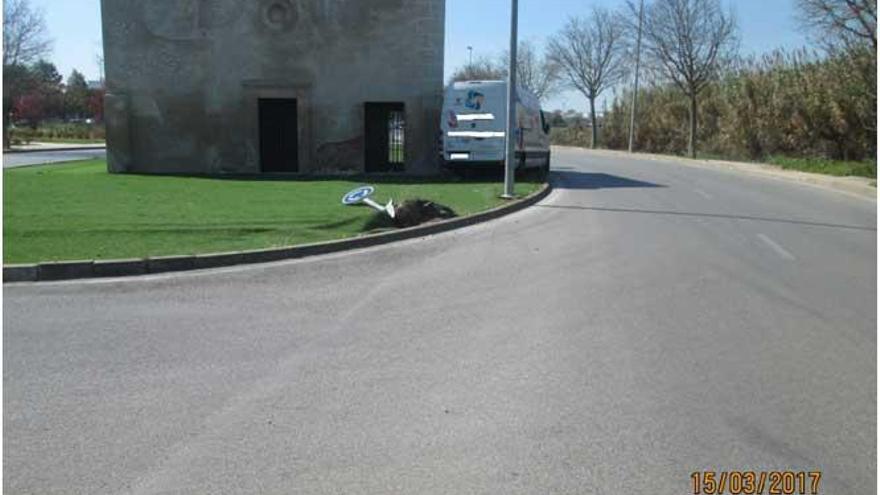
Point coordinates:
[(645, 321), (11, 160)]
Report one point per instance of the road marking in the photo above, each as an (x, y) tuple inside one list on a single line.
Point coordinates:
[(703, 193), (776, 247)]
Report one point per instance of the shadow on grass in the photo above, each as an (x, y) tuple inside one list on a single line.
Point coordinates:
[(339, 224), (268, 227), (240, 231), (378, 222)]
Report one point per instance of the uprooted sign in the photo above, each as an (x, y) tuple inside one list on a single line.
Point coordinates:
[(362, 195)]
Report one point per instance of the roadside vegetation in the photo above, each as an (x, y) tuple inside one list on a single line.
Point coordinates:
[(76, 133), (795, 105), (828, 167), (38, 103), (813, 109), (79, 211)]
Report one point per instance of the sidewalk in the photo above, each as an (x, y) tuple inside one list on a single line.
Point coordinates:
[(38, 146)]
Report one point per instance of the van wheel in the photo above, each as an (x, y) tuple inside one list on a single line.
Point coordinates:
[(543, 170), (519, 169), (541, 174)]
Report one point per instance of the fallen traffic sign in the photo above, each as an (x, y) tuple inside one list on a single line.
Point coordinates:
[(358, 195), (362, 195)]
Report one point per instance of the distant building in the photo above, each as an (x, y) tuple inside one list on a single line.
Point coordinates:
[(273, 86)]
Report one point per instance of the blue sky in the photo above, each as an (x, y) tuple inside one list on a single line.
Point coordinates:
[(484, 24)]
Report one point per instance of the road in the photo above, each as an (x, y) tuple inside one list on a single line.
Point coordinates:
[(11, 160), (645, 321)]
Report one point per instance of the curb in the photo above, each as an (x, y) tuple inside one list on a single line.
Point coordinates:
[(51, 150), (72, 270)]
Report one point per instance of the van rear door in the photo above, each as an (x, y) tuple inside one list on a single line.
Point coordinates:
[(474, 122)]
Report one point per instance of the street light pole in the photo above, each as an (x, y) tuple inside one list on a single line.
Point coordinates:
[(635, 98), (470, 56), (510, 158)]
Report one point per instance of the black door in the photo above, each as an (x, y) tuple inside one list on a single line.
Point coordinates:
[(385, 137), (279, 136)]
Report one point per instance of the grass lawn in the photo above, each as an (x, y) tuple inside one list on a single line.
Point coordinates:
[(79, 211), (828, 167), (838, 168)]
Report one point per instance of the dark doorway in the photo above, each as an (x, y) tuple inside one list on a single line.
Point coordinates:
[(385, 137), (279, 135)]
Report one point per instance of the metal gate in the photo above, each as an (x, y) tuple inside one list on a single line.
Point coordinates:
[(385, 137)]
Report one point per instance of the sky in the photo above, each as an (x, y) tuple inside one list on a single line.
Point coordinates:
[(764, 25)]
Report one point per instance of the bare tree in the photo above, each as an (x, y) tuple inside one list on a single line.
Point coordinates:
[(847, 30), (25, 40), (847, 21), (688, 41), (481, 69), (25, 37), (535, 71), (588, 52)]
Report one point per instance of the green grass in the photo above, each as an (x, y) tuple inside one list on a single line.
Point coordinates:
[(79, 211), (838, 168), (828, 167)]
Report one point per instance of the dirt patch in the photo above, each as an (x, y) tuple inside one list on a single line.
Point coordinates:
[(418, 211), (410, 213)]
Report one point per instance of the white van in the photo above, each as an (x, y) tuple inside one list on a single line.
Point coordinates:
[(474, 123)]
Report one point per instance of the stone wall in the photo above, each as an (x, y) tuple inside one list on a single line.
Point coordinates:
[(184, 77)]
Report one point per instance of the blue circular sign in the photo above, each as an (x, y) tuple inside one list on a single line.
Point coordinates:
[(358, 195)]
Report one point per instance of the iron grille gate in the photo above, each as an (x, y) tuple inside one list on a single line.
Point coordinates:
[(395, 137), (385, 137)]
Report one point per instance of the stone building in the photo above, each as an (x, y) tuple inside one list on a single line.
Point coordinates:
[(273, 86)]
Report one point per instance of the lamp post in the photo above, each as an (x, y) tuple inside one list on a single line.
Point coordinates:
[(510, 158), (632, 116), (470, 56)]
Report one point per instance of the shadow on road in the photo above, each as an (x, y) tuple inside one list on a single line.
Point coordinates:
[(565, 179), (712, 215)]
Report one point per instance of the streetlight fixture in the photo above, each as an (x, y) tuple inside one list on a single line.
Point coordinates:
[(510, 158), (635, 96)]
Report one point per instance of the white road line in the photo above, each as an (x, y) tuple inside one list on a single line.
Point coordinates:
[(703, 193), (776, 247)]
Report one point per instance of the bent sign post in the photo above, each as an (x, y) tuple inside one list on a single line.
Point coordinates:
[(362, 195)]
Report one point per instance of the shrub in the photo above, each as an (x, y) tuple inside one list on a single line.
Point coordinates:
[(58, 131), (792, 104)]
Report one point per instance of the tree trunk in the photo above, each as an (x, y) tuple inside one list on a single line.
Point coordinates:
[(692, 134), (6, 144), (594, 139)]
